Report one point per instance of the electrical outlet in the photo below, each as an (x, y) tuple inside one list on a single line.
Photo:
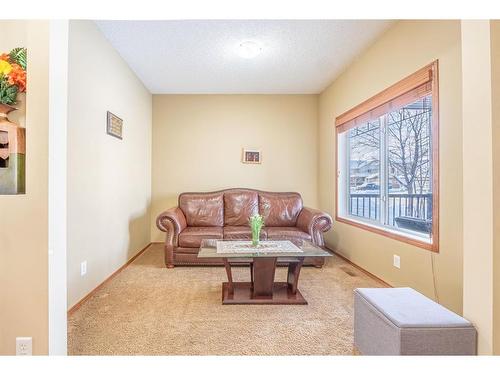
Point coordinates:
[(396, 262), (24, 346), (83, 268)]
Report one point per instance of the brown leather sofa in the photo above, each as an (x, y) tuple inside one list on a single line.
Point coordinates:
[(224, 215)]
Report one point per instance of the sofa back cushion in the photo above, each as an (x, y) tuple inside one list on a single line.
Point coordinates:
[(239, 205), (280, 209), (203, 209)]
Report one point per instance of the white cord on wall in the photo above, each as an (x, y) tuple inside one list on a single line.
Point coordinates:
[(436, 296)]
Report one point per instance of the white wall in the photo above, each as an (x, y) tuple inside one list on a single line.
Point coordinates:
[(58, 138), (109, 180)]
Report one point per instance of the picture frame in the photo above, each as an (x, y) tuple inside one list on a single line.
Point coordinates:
[(114, 125), (251, 156)]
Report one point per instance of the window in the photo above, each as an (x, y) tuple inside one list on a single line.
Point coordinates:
[(387, 161)]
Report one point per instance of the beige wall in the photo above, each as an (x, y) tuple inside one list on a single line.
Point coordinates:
[(197, 143), (24, 218), (109, 180), (481, 129), (495, 75), (478, 166), (403, 49)]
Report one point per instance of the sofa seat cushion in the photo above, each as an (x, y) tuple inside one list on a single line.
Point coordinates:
[(284, 233), (280, 209), (239, 205), (192, 236), (240, 233)]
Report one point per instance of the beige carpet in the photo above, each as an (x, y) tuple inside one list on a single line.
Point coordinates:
[(150, 310)]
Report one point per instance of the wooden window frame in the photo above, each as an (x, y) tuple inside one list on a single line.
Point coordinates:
[(428, 75)]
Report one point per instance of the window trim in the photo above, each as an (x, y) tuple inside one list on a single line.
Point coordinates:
[(427, 75)]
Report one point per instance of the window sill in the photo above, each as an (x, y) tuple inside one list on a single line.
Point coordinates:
[(411, 240)]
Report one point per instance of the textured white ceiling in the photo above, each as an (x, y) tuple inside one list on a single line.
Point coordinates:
[(200, 56)]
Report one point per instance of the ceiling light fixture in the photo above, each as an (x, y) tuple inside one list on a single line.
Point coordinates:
[(249, 49)]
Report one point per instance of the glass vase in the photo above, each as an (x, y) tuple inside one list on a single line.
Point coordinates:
[(255, 236)]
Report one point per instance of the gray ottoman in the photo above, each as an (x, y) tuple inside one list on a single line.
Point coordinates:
[(401, 321)]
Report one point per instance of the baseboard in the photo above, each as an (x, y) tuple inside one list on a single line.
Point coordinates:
[(386, 284), (77, 305)]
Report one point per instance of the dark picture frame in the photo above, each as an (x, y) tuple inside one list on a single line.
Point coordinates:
[(251, 156)]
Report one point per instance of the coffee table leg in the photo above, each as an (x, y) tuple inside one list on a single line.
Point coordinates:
[(227, 266), (293, 275), (251, 274), (263, 270)]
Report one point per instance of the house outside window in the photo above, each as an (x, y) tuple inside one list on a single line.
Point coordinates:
[(387, 161)]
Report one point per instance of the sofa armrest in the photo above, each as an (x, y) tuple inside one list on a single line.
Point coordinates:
[(314, 222), (172, 219), (173, 222)]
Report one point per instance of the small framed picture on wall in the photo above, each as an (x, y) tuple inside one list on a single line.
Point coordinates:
[(114, 125), (251, 156)]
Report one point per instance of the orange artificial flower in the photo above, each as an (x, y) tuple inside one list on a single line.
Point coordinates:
[(17, 77), (4, 57)]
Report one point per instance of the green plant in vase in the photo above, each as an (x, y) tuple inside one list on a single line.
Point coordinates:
[(256, 223)]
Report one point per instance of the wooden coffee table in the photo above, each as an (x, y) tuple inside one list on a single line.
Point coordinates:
[(262, 289)]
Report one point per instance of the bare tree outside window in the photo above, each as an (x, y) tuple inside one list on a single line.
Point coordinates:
[(402, 138), (409, 146)]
